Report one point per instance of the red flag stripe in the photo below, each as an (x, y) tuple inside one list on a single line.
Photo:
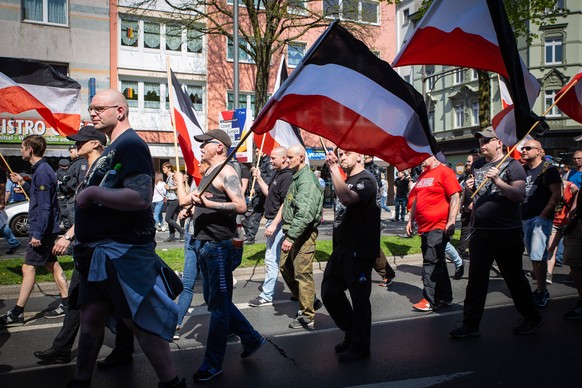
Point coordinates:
[(571, 103)]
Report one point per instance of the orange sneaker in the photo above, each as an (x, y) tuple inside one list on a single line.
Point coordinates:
[(423, 305)]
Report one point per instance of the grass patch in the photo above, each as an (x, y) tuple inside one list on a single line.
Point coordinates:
[(11, 269)]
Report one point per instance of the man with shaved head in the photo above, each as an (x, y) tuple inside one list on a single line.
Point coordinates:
[(115, 254), (543, 189), (275, 193), (301, 216)]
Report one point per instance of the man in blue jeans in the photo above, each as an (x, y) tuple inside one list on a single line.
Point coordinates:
[(214, 227), (275, 193), (543, 190)]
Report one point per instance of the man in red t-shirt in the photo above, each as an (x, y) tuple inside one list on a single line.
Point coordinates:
[(434, 208)]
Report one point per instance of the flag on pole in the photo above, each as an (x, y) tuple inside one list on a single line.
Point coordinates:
[(345, 93), (571, 103), (187, 126), (283, 134), (477, 34), (27, 85)]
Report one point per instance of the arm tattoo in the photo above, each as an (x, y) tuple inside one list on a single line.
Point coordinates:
[(231, 182), (141, 183), (228, 207)]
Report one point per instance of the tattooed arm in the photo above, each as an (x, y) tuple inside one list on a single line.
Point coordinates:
[(228, 181), (135, 195)]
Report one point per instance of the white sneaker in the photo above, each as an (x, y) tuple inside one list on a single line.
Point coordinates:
[(164, 228)]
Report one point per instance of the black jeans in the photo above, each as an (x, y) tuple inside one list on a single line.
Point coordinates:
[(505, 246), (435, 275), (343, 273), (463, 244), (172, 215), (64, 340)]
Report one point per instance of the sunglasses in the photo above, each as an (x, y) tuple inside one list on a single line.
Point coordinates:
[(204, 143), (486, 140), (528, 148)]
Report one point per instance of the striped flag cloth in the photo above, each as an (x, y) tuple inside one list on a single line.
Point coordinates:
[(27, 85), (571, 103), (345, 93), (477, 34), (283, 134), (187, 126)]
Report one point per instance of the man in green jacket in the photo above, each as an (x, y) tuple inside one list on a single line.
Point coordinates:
[(301, 213)]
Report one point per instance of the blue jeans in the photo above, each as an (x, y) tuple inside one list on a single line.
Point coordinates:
[(452, 254), (9, 236), (383, 204), (191, 271), (272, 258), (216, 263), (158, 212), (536, 234), (400, 208)]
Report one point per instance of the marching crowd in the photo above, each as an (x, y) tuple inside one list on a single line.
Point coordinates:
[(115, 205)]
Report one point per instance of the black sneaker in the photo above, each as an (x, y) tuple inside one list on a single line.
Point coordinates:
[(60, 311), (528, 326), (259, 302), (302, 322), (13, 249), (317, 304), (205, 375), (541, 298), (249, 242), (353, 354), (343, 346), (250, 350), (459, 272), (575, 313), (52, 356), (465, 332), (114, 360), (172, 238), (9, 319)]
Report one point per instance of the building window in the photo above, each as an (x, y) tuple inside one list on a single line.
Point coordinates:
[(243, 56), (130, 91), (431, 120), (429, 70), (474, 75), (407, 78), (195, 94), (553, 47), (459, 76), (550, 95), (46, 11), (151, 95), (295, 53), (173, 37), (475, 113), (151, 35), (355, 10), (194, 41), (129, 32), (405, 17), (459, 116), (245, 100)]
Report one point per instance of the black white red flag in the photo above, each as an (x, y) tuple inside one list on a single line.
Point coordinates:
[(187, 126), (345, 93), (477, 34), (27, 85), (571, 103), (283, 134)]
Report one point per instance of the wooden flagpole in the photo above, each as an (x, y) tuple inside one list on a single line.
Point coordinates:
[(528, 132), (252, 193), (18, 183), (170, 94)]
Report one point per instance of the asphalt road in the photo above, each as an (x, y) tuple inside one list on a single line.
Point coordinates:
[(409, 349)]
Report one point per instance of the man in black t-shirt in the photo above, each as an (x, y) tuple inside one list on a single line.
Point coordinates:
[(356, 244), (116, 259), (497, 235), (543, 189)]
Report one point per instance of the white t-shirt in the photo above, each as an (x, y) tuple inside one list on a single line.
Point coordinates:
[(159, 192)]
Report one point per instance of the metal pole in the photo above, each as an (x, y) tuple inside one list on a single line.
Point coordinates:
[(235, 51)]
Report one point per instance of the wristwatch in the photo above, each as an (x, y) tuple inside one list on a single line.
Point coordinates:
[(68, 238)]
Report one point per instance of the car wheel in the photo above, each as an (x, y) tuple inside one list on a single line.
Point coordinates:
[(19, 225)]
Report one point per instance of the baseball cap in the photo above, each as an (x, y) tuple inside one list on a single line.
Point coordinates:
[(89, 133), (64, 162), (217, 134), (488, 132)]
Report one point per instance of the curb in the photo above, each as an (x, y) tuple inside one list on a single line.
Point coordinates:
[(50, 288)]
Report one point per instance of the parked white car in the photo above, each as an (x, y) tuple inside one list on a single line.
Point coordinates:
[(18, 218)]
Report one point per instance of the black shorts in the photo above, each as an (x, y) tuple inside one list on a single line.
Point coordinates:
[(108, 291), (43, 254)]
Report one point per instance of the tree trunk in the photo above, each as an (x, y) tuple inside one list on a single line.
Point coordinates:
[(484, 99)]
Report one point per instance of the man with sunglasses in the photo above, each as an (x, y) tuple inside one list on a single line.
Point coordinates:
[(497, 235), (543, 189)]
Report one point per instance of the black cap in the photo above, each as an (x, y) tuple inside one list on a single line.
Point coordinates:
[(64, 162), (217, 134), (89, 133)]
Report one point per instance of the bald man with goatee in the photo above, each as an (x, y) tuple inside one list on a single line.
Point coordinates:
[(115, 256), (543, 189), (301, 216)]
